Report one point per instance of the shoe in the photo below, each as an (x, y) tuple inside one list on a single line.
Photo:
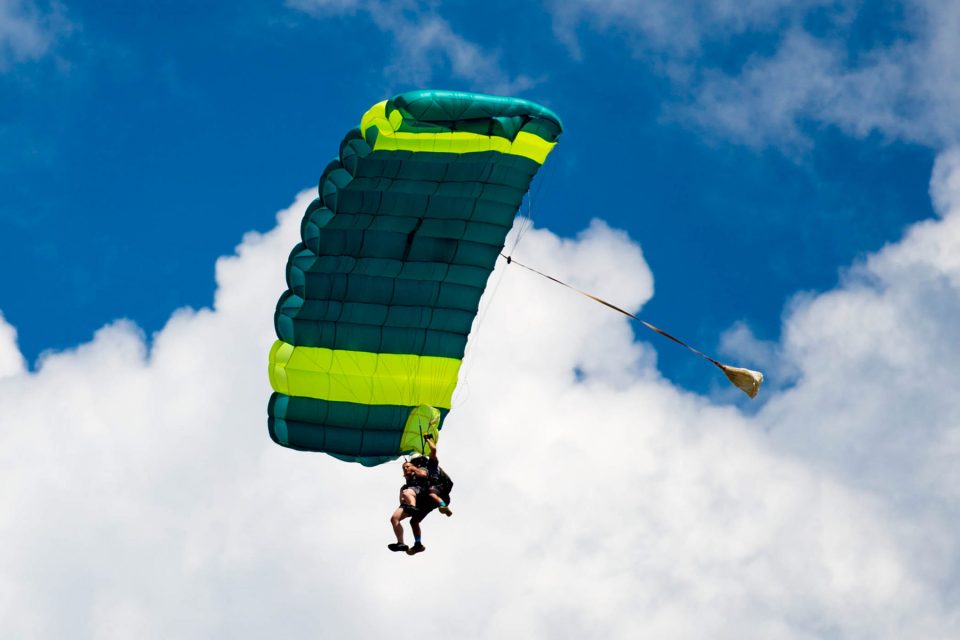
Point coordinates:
[(415, 549), (397, 546), (445, 511)]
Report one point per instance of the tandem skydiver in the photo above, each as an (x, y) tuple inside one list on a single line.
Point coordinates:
[(424, 481)]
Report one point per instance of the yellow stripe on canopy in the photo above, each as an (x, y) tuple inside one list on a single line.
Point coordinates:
[(362, 377), (526, 144)]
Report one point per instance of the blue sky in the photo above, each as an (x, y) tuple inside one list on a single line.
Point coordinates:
[(777, 181), (144, 139)]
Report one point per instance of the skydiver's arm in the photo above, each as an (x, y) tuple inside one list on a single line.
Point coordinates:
[(433, 446)]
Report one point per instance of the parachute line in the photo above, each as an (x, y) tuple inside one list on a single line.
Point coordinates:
[(526, 221), (746, 380)]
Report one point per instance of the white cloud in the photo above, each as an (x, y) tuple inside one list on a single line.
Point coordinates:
[(907, 88), (426, 44), (11, 361), (771, 96), (807, 78), (140, 493), (676, 29), (26, 31), (879, 358)]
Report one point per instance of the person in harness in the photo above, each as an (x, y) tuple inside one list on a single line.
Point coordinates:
[(426, 487)]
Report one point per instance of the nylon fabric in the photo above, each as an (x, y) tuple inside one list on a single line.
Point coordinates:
[(390, 137), (395, 253), (362, 377)]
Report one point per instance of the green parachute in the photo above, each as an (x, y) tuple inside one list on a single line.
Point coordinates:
[(395, 254)]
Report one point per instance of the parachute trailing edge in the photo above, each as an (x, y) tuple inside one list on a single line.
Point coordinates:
[(395, 254)]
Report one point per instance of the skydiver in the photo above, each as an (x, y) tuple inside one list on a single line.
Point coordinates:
[(415, 480), (437, 484)]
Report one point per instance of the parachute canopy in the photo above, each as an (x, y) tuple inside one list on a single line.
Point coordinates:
[(395, 254)]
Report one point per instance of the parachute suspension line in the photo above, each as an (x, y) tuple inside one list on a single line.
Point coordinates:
[(526, 221), (423, 441), (462, 391), (746, 380)]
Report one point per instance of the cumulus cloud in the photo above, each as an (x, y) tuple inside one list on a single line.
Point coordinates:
[(140, 493), (805, 63), (426, 43), (875, 406), (887, 341), (11, 361)]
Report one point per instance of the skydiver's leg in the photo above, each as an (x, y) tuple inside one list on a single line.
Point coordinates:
[(408, 505), (417, 544), (395, 519), (441, 505)]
